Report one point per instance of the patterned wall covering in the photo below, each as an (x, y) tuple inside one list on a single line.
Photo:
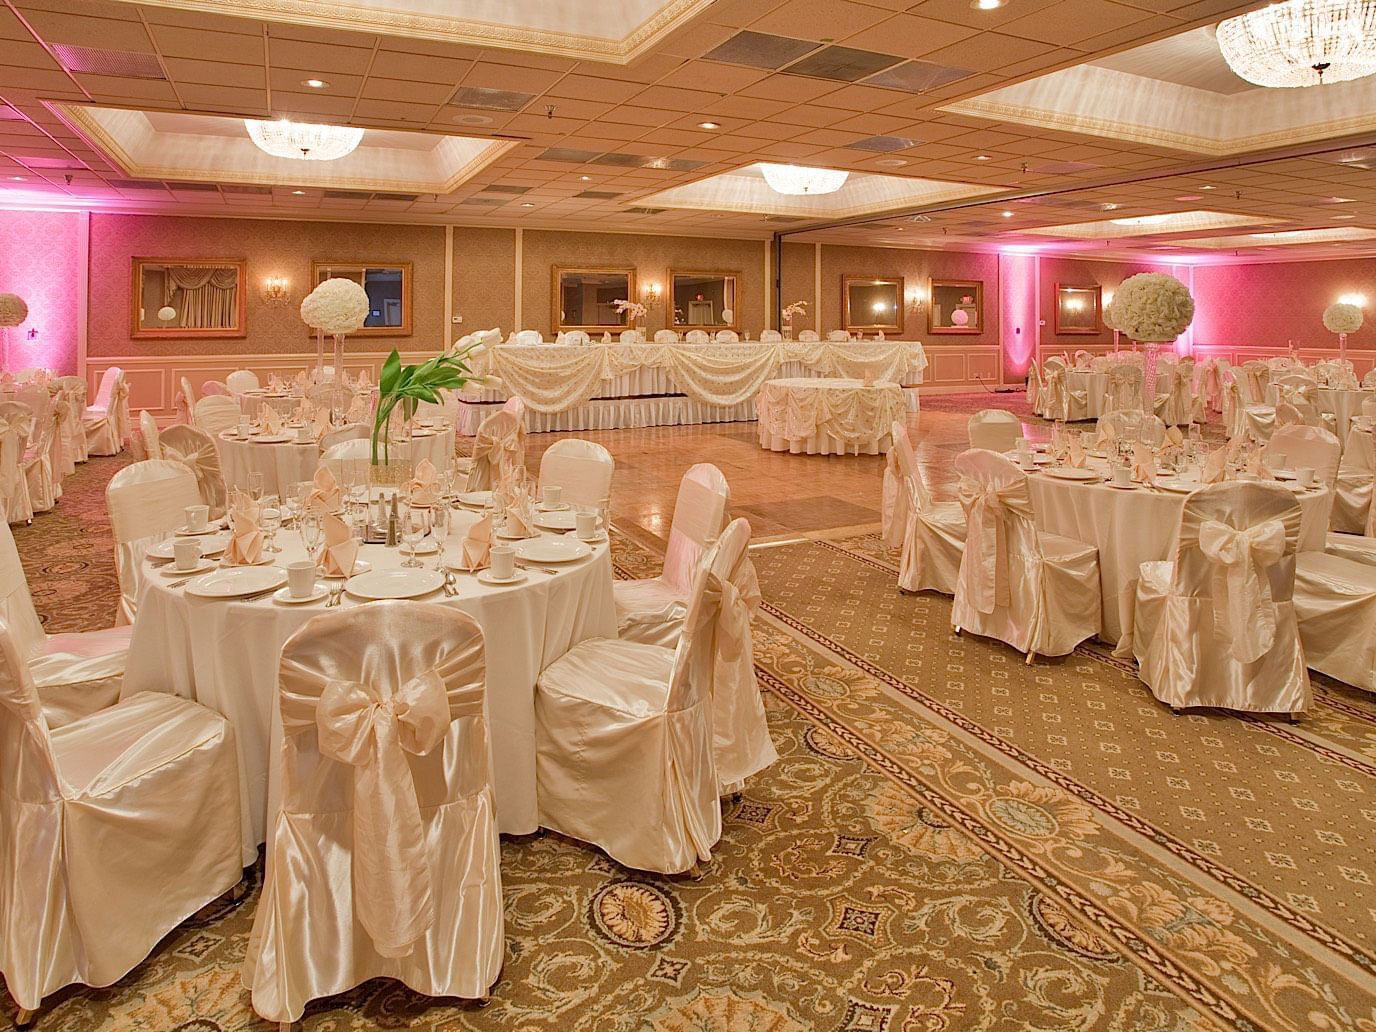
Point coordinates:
[(916, 268), (40, 260), (652, 258), (798, 282), (484, 269), (1268, 305), (272, 249)]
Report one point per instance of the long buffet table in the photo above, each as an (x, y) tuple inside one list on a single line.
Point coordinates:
[(612, 386)]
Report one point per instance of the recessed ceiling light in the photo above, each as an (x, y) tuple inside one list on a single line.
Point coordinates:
[(1340, 200), (709, 125), (983, 157), (1344, 216), (1006, 214), (315, 84), (298, 193), (1190, 197), (473, 119), (585, 179), (1208, 188), (527, 204), (986, 5), (20, 179), (891, 162)]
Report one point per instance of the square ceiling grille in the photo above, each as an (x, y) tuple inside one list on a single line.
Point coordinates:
[(644, 211), (843, 64), (622, 160), (239, 188), (133, 184), (759, 50), (573, 157), (918, 76), (597, 195), (503, 189), (675, 164), (122, 63), (490, 100), (884, 144), (406, 197)]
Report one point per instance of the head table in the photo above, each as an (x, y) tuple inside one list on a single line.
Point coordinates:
[(224, 654), (287, 462)]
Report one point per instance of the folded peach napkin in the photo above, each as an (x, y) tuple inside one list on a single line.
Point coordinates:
[(272, 421), (1215, 467), (325, 496), (520, 514), (245, 533), (301, 378), (477, 544), (1108, 436), (422, 487), (1256, 466), (358, 409), (339, 552), (363, 382), (1173, 444), (320, 420), (1143, 463), (1076, 454)]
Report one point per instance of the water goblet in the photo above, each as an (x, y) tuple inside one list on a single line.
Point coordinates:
[(309, 525), (255, 486), (415, 524), (440, 524), (271, 517)]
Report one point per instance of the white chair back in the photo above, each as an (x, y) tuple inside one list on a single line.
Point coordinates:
[(693, 673), (699, 516), (837, 336), (666, 337), (583, 469), (1132, 425), (242, 380), (186, 398), (195, 448), (697, 337), (16, 603), (578, 338), (809, 337), (216, 414), (770, 336), (214, 388), (499, 446), (1034, 388), (998, 509), (1124, 389), (528, 337), (146, 502), (728, 337), (516, 407), (148, 429), (348, 460), (1302, 445), (1253, 380), (994, 429), (16, 425), (108, 379)]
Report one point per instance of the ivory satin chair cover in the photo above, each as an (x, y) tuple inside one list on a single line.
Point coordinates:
[(770, 336), (700, 337), (1132, 424), (1179, 404), (624, 738), (348, 432), (1253, 378), (113, 830), (147, 502), (107, 418), (651, 610), (74, 388), (1059, 400), (1353, 490), (1216, 626), (1124, 388), (665, 337), (242, 380), (1240, 418), (1291, 447), (348, 459), (382, 854), (183, 402), (64, 417), (45, 488), (216, 413), (195, 448), (75, 673), (213, 389), (583, 469), (930, 534), (148, 430), (16, 423), (1037, 592), (994, 429), (500, 445), (1335, 604), (1034, 388)]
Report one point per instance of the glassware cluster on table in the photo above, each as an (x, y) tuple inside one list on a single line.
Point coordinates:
[(1186, 462)]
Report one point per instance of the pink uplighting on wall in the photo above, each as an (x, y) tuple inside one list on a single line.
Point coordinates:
[(41, 255), (1018, 283)]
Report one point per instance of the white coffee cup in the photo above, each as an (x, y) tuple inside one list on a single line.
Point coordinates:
[(503, 560), (304, 435), (186, 553), (197, 516), (244, 426), (1304, 476), (585, 525), (301, 578), (1122, 476), (553, 495), (1021, 445)]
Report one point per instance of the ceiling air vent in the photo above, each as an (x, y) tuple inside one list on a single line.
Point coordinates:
[(760, 50), (482, 202), (883, 144), (918, 76), (598, 195), (346, 195), (568, 154), (192, 187), (644, 211), (490, 100), (784, 218), (134, 184), (843, 64), (125, 64), (503, 189), (407, 197), (241, 188)]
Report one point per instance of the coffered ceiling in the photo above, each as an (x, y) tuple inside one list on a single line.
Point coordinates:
[(666, 99)]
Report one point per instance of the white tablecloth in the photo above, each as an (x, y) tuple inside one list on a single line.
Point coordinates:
[(224, 655), (1133, 527), (285, 464), (1343, 405), (827, 416), (251, 404)]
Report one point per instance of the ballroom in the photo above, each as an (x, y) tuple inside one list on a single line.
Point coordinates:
[(688, 515)]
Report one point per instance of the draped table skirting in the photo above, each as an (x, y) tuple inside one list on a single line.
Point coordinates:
[(827, 416), (288, 463), (604, 386)]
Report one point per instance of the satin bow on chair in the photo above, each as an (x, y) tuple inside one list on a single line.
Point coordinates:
[(738, 596), (357, 725), (986, 511), (1241, 590)]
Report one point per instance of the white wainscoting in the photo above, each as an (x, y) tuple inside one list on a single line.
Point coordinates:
[(959, 369)]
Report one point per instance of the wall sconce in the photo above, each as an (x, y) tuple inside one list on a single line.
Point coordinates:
[(275, 290), (1353, 299), (915, 301), (652, 293)]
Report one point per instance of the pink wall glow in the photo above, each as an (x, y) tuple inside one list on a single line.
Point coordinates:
[(1018, 285), (41, 255), (1266, 306)]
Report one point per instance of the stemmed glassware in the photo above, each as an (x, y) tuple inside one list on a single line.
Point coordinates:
[(309, 525), (415, 524), (255, 486), (271, 517), (440, 523)]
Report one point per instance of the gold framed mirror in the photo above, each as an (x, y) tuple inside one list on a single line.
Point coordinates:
[(187, 297), (705, 300), (388, 285), (1077, 309), (584, 299), (956, 306), (872, 303)]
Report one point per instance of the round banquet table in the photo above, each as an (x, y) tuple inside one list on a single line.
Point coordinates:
[(251, 403), (224, 655), (1342, 404), (285, 463), (1134, 527), (1094, 386), (828, 416)]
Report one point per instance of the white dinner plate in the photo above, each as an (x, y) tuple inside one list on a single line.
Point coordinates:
[(274, 439), (235, 581), (476, 499), (202, 565), (560, 507), (565, 519), (213, 527), (394, 584), (551, 550), (360, 566), (1071, 473), (285, 596), (1122, 487), (1283, 474), (264, 560), (422, 432), (209, 546), (485, 577), (1178, 486), (1294, 486)]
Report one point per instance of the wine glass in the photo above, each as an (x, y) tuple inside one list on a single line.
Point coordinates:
[(415, 524), (440, 523), (255, 486), (271, 518), (309, 525)]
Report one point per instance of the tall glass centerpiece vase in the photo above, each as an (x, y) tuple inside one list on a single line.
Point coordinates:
[(1342, 318), (401, 389), (319, 357), (790, 312), (13, 311), (1153, 308), (338, 307)]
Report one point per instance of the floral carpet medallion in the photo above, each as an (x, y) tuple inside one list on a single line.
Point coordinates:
[(921, 858)]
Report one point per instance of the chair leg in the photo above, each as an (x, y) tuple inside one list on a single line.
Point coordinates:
[(1293, 718), (1031, 657), (25, 1018), (957, 630)]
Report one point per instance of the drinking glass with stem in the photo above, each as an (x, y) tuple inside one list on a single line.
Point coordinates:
[(415, 524), (272, 521), (255, 486), (309, 525)]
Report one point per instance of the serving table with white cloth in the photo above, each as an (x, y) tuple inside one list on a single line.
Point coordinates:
[(609, 386), (827, 416), (224, 655), (1131, 527), (289, 462)]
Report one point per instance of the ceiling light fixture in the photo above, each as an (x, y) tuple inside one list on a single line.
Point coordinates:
[(983, 157), (303, 141), (986, 5), (19, 179), (1142, 220), (1206, 187), (1344, 216), (1353, 299), (298, 193), (709, 125), (1302, 43), (1006, 214), (315, 84), (527, 204), (797, 180)]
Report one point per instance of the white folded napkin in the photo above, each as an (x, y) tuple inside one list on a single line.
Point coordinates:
[(245, 533), (1108, 436), (272, 422), (301, 378), (320, 421), (422, 487), (325, 496), (1215, 467), (358, 409), (1076, 455), (1143, 463), (475, 552), (1257, 467), (339, 552), (520, 513)]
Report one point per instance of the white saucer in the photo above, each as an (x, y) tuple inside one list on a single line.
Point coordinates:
[(485, 577), (286, 598), (210, 528), (1121, 487), (427, 546), (553, 508), (163, 550), (170, 570)]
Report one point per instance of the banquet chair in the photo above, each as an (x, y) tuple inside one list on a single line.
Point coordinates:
[(838, 336), (995, 429), (1335, 604), (1242, 419), (1216, 625), (195, 448), (114, 829), (500, 446), (651, 610), (583, 469), (577, 338), (809, 336), (382, 854), (528, 337), (215, 414), (348, 461), (1034, 388), (347, 432), (74, 388), (1253, 378), (666, 337), (1179, 405), (770, 336), (624, 737), (16, 423), (147, 502), (1369, 380), (184, 400), (1353, 489), (1124, 388), (630, 337), (727, 337), (931, 534), (1035, 591), (149, 436), (213, 389), (1131, 424), (45, 488), (696, 337), (1059, 399), (64, 415), (106, 420), (242, 380), (1291, 447)]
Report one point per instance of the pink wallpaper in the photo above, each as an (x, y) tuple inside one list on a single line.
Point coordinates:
[(1269, 305), (40, 260)]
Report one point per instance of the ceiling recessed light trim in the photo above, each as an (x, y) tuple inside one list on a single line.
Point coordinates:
[(315, 84), (709, 125)]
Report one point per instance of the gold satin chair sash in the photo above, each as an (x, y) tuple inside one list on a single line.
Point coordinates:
[(1242, 601), (988, 507)]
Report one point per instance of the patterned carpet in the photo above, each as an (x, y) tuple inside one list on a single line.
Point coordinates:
[(951, 840)]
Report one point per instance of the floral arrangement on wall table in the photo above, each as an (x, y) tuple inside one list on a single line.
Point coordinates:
[(634, 311), (1153, 307), (1342, 318), (796, 310)]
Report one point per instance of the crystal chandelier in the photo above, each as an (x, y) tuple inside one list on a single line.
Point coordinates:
[(1302, 42), (303, 141), (1142, 220), (795, 179)]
